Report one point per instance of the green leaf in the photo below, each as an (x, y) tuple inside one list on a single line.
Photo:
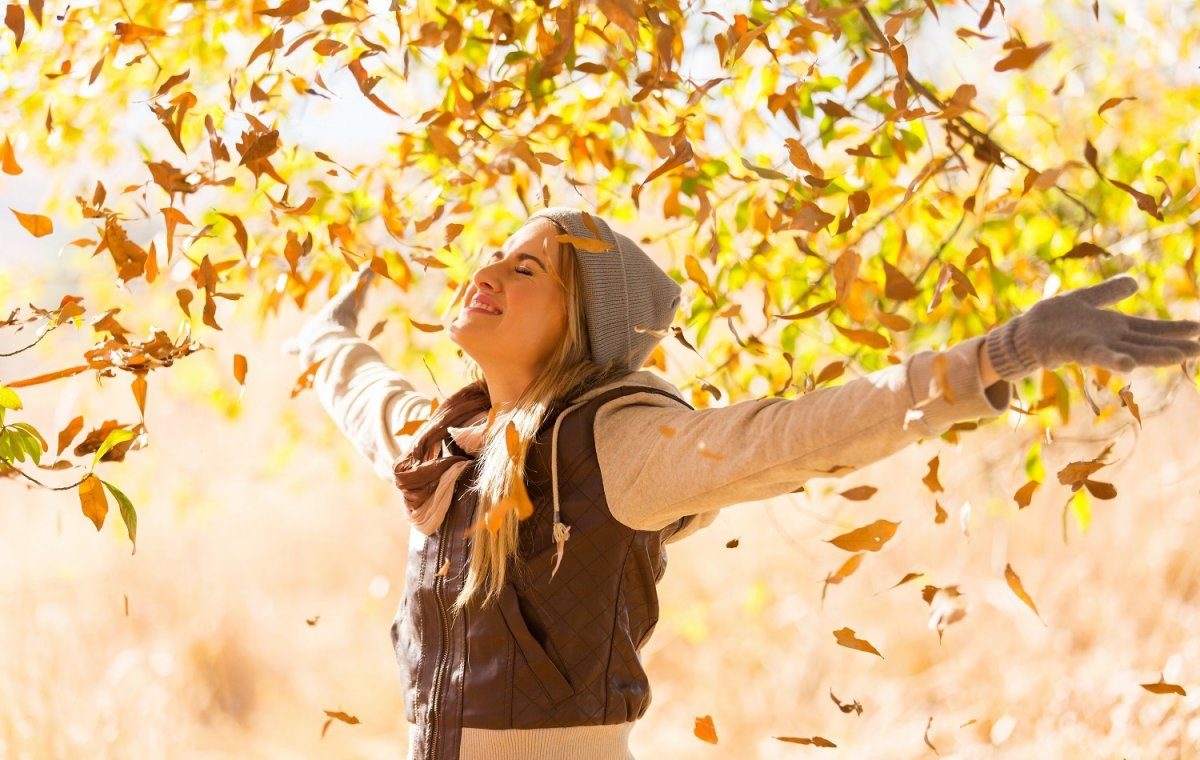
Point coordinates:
[(112, 439), (8, 444), (128, 515), (23, 442)]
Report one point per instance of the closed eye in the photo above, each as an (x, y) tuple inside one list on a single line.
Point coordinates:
[(525, 271)]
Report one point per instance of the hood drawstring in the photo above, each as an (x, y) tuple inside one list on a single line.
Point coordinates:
[(562, 531)]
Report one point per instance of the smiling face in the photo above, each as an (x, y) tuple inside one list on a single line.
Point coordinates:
[(522, 281)]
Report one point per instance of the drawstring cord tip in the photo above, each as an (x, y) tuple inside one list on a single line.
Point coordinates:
[(562, 532)]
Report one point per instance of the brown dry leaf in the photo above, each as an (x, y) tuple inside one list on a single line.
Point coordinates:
[(931, 478), (907, 577), (939, 514), (927, 742), (869, 538), (93, 500), (423, 326), (896, 285), (1022, 57), (1014, 582), (36, 224), (1112, 102), (847, 638), (859, 493), (705, 730), (1085, 251), (337, 714), (1126, 396), (846, 707), (865, 337), (14, 19), (312, 620), (1100, 489), (1025, 493), (816, 741), (1162, 687), (67, 434), (808, 312)]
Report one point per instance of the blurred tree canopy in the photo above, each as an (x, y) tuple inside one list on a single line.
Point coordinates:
[(841, 182)]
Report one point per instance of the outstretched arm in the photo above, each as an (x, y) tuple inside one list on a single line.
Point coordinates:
[(661, 461), (368, 400)]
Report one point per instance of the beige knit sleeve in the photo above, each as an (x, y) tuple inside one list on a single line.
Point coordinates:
[(660, 460), (368, 400)]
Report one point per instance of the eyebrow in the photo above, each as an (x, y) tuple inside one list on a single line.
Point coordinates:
[(522, 257)]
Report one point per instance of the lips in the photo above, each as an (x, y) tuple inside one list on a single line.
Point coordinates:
[(483, 303)]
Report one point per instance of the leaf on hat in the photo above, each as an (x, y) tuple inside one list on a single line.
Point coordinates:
[(591, 245)]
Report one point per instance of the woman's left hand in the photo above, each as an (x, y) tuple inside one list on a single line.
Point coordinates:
[(1070, 327)]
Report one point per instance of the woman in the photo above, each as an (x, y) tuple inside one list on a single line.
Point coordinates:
[(519, 638)]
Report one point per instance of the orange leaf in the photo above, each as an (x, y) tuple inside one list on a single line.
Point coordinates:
[(93, 500), (870, 538), (239, 368), (139, 392), (1014, 582), (1022, 57), (8, 160), (705, 730), (36, 224), (1164, 688), (846, 637), (1025, 493)]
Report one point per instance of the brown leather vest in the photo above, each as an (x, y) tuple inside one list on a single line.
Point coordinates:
[(561, 652)]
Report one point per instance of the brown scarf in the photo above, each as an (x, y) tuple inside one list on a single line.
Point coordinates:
[(427, 473)]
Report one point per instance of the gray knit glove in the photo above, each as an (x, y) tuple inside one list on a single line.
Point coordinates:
[(1070, 327), (341, 309)]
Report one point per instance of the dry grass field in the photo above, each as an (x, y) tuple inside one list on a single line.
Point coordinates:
[(258, 519)]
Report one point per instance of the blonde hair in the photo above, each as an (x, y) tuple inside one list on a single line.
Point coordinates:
[(568, 372)]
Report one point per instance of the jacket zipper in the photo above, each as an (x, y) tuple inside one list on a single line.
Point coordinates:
[(443, 652)]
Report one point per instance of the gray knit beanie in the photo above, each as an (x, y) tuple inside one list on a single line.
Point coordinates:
[(623, 289)]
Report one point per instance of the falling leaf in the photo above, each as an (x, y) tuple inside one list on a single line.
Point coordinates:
[(1014, 582), (731, 543), (1162, 687), (846, 570), (705, 730), (239, 368), (128, 515), (847, 638), (816, 741), (1025, 493), (870, 538), (36, 224), (1126, 396), (1112, 102), (931, 478), (8, 160), (859, 494), (1022, 57), (846, 707), (338, 715), (907, 577)]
